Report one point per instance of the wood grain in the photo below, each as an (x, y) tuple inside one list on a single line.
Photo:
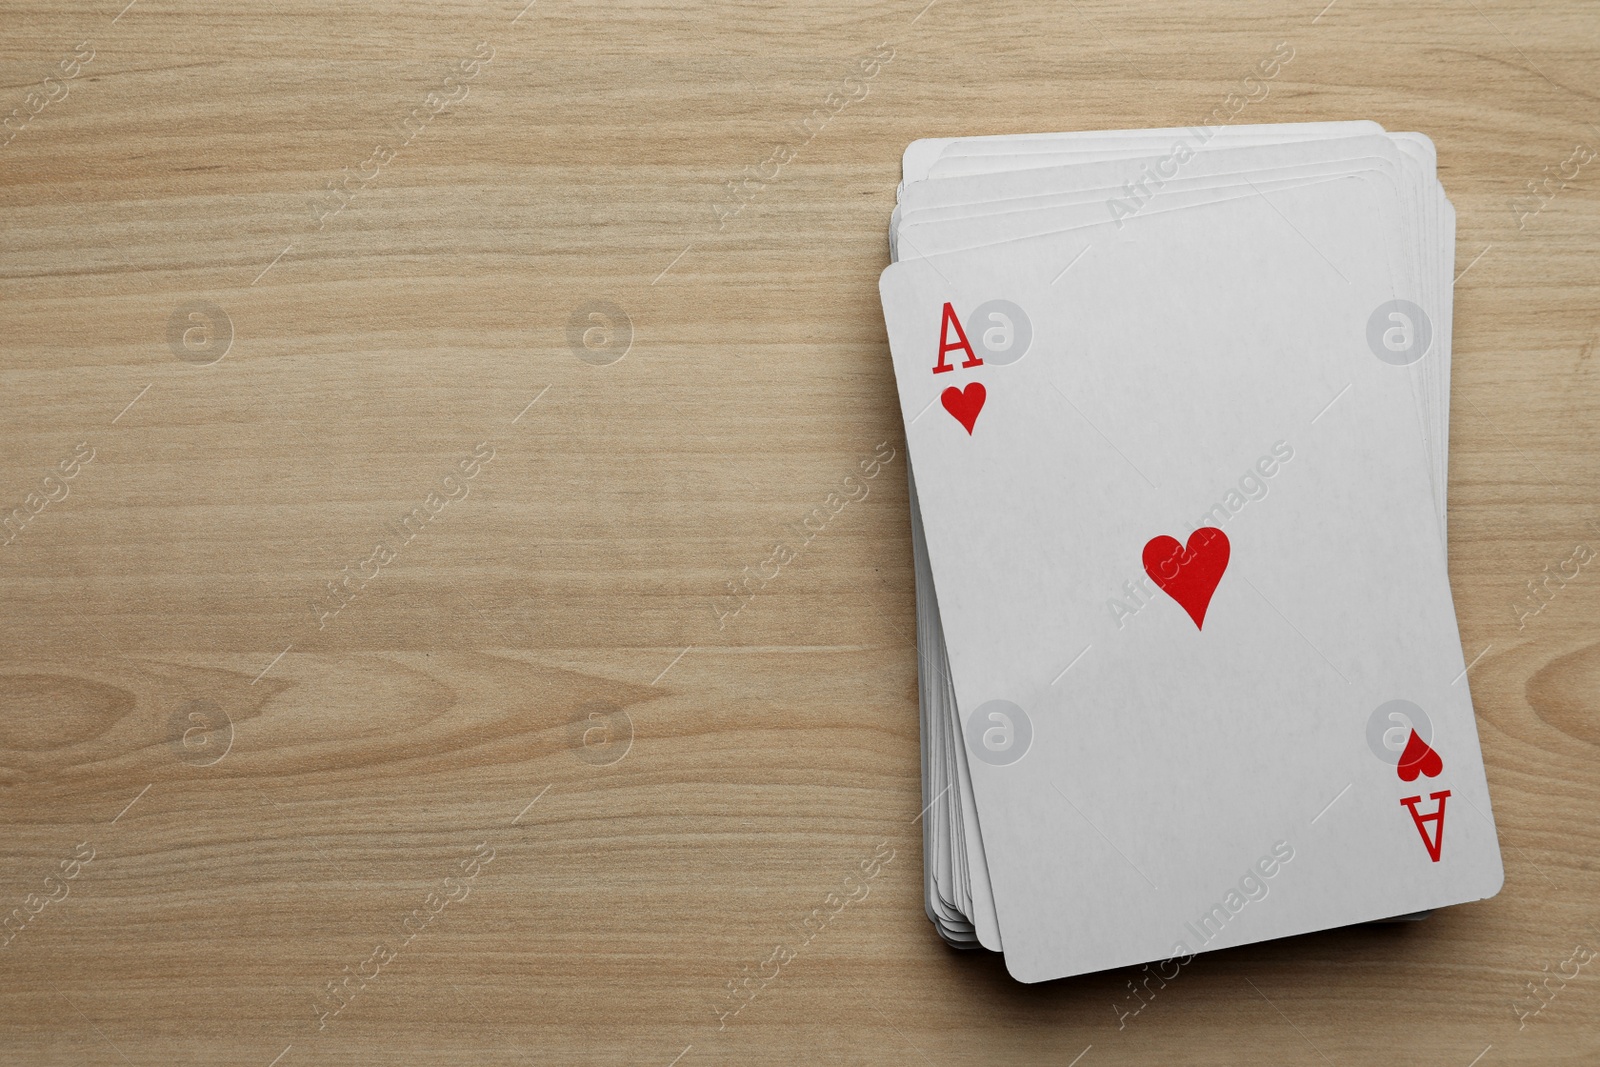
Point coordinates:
[(270, 791)]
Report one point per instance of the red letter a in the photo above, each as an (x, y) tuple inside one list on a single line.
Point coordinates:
[(1437, 818), (947, 346)]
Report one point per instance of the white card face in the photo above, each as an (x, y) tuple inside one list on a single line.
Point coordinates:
[(1165, 374), (960, 861), (955, 867)]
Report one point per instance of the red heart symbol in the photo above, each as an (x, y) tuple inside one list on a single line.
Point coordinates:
[(1418, 758), (964, 404), (1189, 574)]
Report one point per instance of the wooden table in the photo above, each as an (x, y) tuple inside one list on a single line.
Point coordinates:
[(426, 374)]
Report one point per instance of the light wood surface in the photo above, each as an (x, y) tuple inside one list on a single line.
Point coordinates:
[(270, 789)]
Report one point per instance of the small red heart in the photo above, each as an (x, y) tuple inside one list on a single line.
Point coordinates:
[(1418, 758), (1189, 574), (964, 404)]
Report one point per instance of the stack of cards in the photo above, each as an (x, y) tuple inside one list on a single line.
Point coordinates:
[(1177, 404)]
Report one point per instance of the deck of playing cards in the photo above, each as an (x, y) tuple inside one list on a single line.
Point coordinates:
[(1177, 404)]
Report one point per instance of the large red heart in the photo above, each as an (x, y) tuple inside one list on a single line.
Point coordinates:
[(964, 404), (1189, 573), (1418, 758)]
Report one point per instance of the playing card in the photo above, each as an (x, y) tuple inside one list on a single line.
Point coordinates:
[(969, 840), (1021, 479)]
